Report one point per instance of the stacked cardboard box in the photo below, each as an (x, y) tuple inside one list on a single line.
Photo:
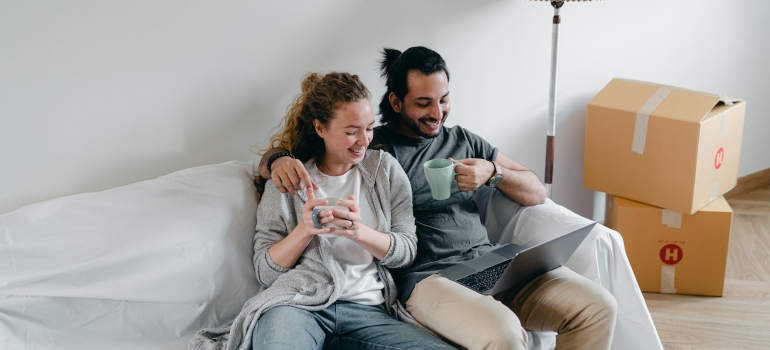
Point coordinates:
[(665, 156)]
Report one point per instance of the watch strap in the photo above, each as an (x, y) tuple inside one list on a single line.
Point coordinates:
[(498, 174), (276, 156)]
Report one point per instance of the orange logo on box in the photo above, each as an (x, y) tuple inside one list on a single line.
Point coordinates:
[(671, 254), (720, 157)]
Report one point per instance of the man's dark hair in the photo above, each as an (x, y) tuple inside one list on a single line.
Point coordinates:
[(395, 67)]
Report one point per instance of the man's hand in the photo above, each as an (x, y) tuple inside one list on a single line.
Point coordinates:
[(290, 176), (473, 173)]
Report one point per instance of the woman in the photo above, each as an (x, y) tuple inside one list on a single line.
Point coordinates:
[(330, 287)]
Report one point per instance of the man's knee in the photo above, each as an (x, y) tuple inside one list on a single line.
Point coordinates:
[(508, 338), (596, 302), (605, 305), (467, 318), (593, 325), (600, 311)]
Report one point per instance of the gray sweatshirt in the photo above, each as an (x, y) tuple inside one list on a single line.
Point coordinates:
[(317, 281)]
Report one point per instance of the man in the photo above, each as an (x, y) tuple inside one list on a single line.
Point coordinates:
[(414, 109)]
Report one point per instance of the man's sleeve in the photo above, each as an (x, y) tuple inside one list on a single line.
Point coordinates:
[(481, 148)]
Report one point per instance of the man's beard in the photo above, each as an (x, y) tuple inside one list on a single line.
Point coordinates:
[(415, 126)]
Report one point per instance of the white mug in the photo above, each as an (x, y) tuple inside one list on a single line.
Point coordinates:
[(332, 201)]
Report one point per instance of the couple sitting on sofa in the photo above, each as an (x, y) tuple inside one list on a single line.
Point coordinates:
[(367, 279)]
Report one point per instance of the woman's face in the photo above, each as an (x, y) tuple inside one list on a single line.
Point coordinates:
[(346, 137)]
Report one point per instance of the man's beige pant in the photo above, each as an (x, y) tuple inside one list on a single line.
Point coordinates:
[(581, 312)]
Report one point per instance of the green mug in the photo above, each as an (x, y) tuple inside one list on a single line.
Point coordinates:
[(440, 173)]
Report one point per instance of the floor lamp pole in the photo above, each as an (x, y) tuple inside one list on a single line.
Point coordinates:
[(551, 131)]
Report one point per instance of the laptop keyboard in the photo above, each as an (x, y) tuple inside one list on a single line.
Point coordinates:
[(484, 280)]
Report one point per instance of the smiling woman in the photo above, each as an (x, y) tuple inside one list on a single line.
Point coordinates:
[(346, 137), (326, 272)]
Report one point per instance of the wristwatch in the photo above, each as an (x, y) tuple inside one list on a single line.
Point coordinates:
[(496, 177)]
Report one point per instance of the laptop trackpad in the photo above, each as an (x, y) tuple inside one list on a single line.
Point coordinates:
[(508, 250), (485, 261), (457, 271)]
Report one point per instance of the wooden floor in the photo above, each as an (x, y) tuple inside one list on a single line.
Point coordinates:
[(740, 319)]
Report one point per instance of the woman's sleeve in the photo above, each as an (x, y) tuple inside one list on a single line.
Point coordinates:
[(403, 248), (271, 228)]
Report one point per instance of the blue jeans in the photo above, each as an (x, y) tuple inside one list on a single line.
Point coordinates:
[(343, 325)]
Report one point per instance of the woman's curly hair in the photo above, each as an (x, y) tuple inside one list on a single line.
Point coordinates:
[(321, 96)]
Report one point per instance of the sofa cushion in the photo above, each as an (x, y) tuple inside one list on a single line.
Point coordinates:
[(141, 266)]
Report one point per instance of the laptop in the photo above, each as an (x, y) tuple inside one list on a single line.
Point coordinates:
[(513, 266)]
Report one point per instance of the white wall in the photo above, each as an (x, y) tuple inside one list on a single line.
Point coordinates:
[(96, 94)]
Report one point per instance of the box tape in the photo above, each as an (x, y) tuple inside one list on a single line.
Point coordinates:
[(667, 277), (640, 133), (671, 218), (643, 117)]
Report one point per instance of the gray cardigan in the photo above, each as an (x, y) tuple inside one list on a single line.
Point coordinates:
[(316, 281)]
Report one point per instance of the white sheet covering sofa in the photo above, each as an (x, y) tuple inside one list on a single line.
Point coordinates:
[(144, 266)]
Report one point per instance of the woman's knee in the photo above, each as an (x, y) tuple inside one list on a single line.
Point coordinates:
[(286, 327)]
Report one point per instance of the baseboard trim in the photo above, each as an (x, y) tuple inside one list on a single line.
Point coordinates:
[(750, 183)]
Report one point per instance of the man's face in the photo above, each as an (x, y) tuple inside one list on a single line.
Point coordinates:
[(425, 106)]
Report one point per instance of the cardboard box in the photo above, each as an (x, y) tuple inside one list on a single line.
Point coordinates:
[(665, 146), (671, 252)]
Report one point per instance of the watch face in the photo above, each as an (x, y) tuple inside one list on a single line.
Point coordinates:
[(495, 180)]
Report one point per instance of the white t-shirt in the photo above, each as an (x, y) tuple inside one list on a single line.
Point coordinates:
[(362, 283)]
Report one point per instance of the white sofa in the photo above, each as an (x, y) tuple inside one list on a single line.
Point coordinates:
[(144, 266), (601, 258)]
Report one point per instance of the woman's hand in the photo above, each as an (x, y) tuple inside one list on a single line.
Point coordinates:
[(349, 221), (287, 251), (376, 243), (324, 216)]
